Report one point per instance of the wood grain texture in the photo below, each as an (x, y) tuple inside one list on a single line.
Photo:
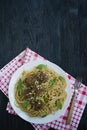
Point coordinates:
[(57, 30), (69, 116)]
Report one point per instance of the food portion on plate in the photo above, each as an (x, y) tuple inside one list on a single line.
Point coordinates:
[(40, 91)]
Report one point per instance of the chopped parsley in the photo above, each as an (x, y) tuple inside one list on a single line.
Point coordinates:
[(52, 82), (20, 86), (59, 104), (41, 66)]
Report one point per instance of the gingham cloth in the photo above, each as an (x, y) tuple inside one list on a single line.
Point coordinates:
[(26, 56)]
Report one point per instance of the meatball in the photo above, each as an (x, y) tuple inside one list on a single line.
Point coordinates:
[(38, 105), (28, 94), (30, 80), (42, 77)]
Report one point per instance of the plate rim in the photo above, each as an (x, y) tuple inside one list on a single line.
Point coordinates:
[(48, 118)]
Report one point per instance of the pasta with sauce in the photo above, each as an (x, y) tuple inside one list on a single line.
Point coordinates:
[(41, 91)]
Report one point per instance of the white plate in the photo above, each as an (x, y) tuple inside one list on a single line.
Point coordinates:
[(24, 115)]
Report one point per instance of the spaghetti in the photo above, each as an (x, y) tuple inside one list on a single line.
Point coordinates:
[(41, 91)]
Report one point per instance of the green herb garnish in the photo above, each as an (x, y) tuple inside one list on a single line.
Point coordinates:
[(41, 66), (45, 99), (44, 116), (52, 82), (61, 78), (59, 104), (26, 103), (20, 85)]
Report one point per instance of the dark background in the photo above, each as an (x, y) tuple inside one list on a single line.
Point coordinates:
[(56, 29)]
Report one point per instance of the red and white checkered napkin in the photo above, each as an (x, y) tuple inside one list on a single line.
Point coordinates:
[(26, 56)]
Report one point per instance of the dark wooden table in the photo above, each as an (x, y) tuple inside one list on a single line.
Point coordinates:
[(56, 29)]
